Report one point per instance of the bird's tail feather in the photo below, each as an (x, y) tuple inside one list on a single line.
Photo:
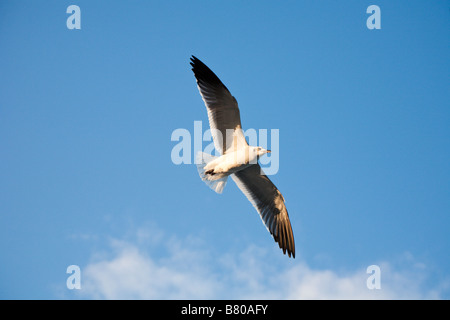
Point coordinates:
[(202, 160)]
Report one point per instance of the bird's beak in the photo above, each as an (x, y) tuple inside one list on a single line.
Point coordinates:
[(268, 151)]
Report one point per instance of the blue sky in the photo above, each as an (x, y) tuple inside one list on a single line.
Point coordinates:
[(86, 176)]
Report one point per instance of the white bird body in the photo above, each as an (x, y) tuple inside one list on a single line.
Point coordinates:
[(238, 159), (232, 162)]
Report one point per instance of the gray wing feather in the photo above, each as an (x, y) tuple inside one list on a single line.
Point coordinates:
[(269, 203), (223, 111)]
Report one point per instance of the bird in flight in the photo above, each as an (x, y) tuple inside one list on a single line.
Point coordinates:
[(238, 159)]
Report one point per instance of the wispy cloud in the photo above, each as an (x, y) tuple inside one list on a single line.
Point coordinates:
[(187, 271)]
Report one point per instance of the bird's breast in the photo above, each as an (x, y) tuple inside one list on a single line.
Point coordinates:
[(235, 161)]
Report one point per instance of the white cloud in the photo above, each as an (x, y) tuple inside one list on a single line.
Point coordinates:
[(132, 274), (186, 272)]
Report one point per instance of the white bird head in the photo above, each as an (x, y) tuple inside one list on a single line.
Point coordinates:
[(260, 151)]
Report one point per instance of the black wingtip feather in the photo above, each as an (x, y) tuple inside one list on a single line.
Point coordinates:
[(284, 237), (204, 74)]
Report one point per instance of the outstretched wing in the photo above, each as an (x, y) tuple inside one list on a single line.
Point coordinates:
[(269, 203), (223, 111)]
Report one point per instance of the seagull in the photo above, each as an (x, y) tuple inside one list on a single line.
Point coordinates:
[(238, 159)]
